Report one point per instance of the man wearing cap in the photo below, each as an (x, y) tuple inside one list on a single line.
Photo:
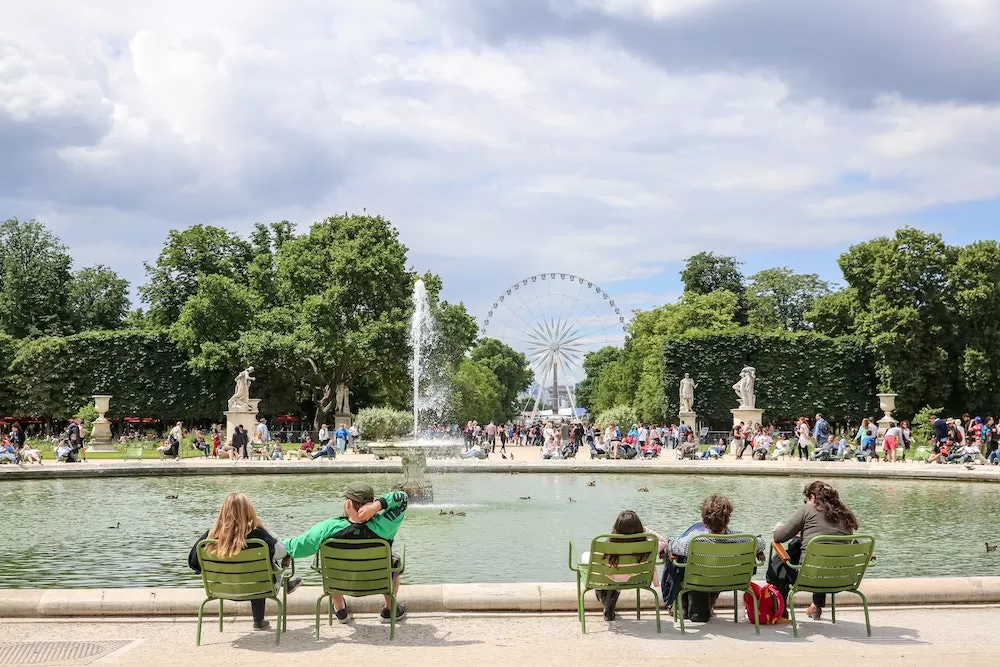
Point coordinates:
[(365, 517)]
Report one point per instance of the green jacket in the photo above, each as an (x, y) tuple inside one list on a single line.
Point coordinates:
[(383, 525)]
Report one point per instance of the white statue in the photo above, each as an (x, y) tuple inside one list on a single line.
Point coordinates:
[(240, 399), (744, 388), (343, 399), (687, 393)]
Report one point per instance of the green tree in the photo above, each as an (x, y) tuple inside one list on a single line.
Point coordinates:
[(475, 394), (902, 285), (594, 364), (511, 370), (98, 299), (213, 322), (779, 298), (707, 272), (834, 314), (976, 292), (34, 281), (187, 255)]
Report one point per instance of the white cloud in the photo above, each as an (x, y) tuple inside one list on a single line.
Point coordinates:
[(564, 153)]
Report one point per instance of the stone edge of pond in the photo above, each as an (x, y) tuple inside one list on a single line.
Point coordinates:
[(846, 469), (519, 597)]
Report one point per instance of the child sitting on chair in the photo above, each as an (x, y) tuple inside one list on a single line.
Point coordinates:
[(627, 523)]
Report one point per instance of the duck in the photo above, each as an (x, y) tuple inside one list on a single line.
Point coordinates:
[(171, 497), (990, 547), (512, 456), (451, 513), (119, 525), (592, 482), (459, 513), (571, 499), (442, 513), (524, 498), (503, 456), (643, 489)]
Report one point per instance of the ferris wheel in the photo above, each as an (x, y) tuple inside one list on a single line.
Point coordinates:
[(555, 319)]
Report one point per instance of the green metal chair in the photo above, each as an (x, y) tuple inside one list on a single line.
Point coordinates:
[(249, 575), (132, 452), (714, 566), (356, 568), (832, 564), (636, 559)]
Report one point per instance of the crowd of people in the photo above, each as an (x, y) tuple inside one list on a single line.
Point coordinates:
[(367, 517)]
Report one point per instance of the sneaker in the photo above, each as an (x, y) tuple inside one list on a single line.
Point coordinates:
[(264, 625), (343, 615), (400, 613), (292, 584)]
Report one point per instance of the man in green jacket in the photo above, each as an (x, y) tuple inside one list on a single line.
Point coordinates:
[(365, 517)]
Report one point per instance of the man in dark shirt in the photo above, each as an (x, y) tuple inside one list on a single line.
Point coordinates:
[(240, 440)]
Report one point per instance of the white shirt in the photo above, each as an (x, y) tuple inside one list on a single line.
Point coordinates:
[(265, 435), (323, 434)]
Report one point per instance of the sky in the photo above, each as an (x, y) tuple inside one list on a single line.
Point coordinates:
[(609, 139)]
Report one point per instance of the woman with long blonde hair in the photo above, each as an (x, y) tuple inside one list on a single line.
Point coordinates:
[(238, 522)]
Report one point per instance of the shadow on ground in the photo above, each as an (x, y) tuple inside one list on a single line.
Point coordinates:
[(300, 639)]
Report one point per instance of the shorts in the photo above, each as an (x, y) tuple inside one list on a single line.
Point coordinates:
[(889, 443), (396, 563)]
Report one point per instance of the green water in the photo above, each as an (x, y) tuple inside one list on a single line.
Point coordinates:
[(56, 532)]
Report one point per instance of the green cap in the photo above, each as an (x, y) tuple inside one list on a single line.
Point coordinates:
[(359, 492)]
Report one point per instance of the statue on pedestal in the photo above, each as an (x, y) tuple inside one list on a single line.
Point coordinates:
[(343, 406), (744, 388), (687, 393), (240, 400)]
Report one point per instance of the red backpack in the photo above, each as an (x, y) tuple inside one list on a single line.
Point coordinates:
[(769, 601)]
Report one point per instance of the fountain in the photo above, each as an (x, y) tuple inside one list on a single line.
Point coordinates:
[(413, 455)]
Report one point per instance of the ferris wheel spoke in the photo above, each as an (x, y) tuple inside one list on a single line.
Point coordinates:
[(569, 388), (518, 315)]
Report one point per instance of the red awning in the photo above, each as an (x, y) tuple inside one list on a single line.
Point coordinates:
[(287, 419)]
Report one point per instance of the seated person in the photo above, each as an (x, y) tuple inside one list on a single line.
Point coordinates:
[(716, 511), (365, 517), (651, 449), (304, 450), (968, 454), (7, 453), (627, 523), (715, 451), (824, 450), (476, 452), (31, 454), (63, 450), (170, 448), (277, 453), (783, 447), (237, 522), (200, 444), (761, 446), (689, 449), (597, 447), (941, 450), (328, 450), (867, 451)]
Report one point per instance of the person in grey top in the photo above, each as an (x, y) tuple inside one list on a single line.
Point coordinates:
[(822, 513)]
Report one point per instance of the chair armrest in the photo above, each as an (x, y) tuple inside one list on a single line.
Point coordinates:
[(572, 565), (777, 548)]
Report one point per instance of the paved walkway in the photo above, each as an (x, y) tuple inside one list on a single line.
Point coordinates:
[(520, 459), (931, 636)]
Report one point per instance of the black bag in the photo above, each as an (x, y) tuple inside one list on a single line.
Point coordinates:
[(779, 574)]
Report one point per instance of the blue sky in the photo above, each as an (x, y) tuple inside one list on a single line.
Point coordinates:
[(606, 138)]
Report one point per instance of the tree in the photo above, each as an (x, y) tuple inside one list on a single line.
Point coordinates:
[(475, 394), (213, 321), (707, 272), (511, 370), (976, 291), (197, 251), (98, 299), (34, 281), (902, 285), (594, 364), (346, 284), (780, 298), (834, 314)]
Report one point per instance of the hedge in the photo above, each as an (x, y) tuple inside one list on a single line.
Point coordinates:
[(798, 374), (377, 424), (144, 371)]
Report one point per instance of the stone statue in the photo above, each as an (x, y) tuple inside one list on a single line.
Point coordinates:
[(343, 400), (744, 388), (240, 399), (687, 393)]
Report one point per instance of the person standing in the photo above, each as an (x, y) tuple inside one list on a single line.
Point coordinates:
[(324, 436), (75, 441), (340, 436), (352, 437), (263, 434), (802, 440), (821, 430), (241, 440)]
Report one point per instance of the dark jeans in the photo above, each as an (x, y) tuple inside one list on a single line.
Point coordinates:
[(257, 609), (743, 448)]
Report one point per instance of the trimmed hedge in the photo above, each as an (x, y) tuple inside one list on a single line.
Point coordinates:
[(378, 424), (798, 374), (144, 371)]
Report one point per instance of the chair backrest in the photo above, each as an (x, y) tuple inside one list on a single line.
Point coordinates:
[(622, 561), (834, 563), (246, 576), (720, 562), (355, 567)]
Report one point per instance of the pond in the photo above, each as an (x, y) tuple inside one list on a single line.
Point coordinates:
[(57, 533)]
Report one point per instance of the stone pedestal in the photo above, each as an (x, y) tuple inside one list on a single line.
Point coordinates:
[(748, 416), (100, 439), (346, 420), (689, 419), (246, 417)]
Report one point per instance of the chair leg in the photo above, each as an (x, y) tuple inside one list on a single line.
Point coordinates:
[(756, 614), (833, 607), (638, 606), (221, 603), (284, 606), (392, 618), (329, 609), (281, 618), (201, 611), (679, 609), (864, 602), (736, 607), (656, 603), (790, 605), (579, 599), (319, 606)]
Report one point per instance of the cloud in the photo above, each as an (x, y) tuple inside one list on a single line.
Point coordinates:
[(604, 138)]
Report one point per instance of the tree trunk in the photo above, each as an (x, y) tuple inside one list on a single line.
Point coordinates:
[(324, 405)]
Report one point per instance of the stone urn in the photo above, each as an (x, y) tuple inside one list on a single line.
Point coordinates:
[(887, 403), (100, 430)]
